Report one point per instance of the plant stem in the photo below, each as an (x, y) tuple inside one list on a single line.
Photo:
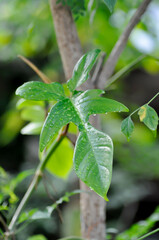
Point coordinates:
[(148, 234), (153, 98), (36, 178)]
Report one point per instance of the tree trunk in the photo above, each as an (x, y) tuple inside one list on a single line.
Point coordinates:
[(92, 206)]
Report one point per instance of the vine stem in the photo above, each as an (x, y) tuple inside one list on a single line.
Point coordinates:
[(37, 176), (149, 234)]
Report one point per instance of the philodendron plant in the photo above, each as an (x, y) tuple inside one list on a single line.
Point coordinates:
[(93, 154)]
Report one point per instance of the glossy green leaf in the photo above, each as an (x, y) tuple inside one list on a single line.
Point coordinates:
[(149, 117), (60, 115), (94, 149), (60, 163), (110, 4), (32, 128), (39, 91), (127, 127), (93, 159), (82, 69), (89, 102), (76, 110)]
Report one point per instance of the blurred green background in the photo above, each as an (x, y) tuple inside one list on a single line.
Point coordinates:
[(26, 28)]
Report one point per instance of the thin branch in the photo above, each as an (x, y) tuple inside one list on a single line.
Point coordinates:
[(120, 45), (149, 234), (53, 199), (44, 78), (36, 178), (123, 71), (3, 223)]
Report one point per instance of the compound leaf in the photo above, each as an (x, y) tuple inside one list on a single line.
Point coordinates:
[(148, 116), (39, 91), (127, 127), (82, 69)]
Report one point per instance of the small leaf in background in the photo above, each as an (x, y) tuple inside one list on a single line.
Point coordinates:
[(82, 69), (139, 229), (93, 159), (37, 237), (71, 238), (149, 117), (60, 163), (32, 128), (33, 114), (39, 91), (22, 103), (110, 4), (127, 127)]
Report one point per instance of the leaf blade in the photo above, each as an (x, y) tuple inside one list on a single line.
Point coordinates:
[(39, 91), (110, 4), (82, 69), (60, 115), (93, 159), (127, 127), (148, 116), (89, 102)]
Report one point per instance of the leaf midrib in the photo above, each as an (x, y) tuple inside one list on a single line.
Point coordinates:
[(83, 124)]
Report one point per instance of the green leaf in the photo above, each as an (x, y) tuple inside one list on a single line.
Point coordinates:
[(89, 102), (127, 127), (149, 117), (110, 4), (32, 128), (71, 238), (39, 91), (93, 159), (76, 110), (37, 237), (60, 115), (60, 163), (94, 149), (140, 228), (33, 114), (22, 103), (82, 69)]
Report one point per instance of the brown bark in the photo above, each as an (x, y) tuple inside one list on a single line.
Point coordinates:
[(92, 206)]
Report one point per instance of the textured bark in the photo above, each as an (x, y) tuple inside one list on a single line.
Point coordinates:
[(92, 206), (68, 41)]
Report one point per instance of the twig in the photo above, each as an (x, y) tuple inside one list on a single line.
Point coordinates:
[(120, 45), (44, 78), (3, 223), (53, 199), (36, 178), (123, 71)]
